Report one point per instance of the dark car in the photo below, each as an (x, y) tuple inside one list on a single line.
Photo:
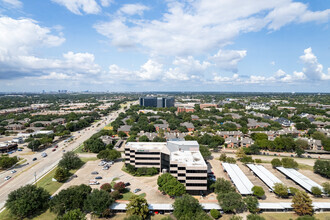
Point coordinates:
[(127, 184), (34, 159), (98, 177), (94, 172)]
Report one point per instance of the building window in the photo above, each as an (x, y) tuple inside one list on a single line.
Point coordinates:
[(127, 154), (196, 171), (174, 165), (148, 153), (146, 164), (181, 168), (181, 174), (146, 158), (196, 184), (182, 181), (195, 178), (173, 171)]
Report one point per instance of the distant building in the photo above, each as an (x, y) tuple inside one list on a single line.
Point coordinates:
[(158, 102), (208, 105), (181, 159), (185, 109)]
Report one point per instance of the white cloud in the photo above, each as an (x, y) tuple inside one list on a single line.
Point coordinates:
[(79, 6), (197, 27), (312, 68), (106, 3), (133, 9), (13, 3), (56, 76), (228, 59), (151, 70)]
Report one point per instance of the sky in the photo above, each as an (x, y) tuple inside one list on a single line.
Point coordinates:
[(165, 45)]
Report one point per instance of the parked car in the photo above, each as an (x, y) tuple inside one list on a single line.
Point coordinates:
[(74, 176), (54, 149), (34, 159), (137, 190), (56, 146), (13, 171), (7, 177), (44, 154), (94, 172), (127, 184), (19, 149), (102, 163), (309, 156), (93, 182), (98, 177), (105, 168)]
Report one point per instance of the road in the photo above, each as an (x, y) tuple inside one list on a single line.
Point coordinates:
[(29, 171)]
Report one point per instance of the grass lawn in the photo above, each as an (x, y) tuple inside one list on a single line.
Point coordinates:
[(305, 167), (47, 183), (5, 215), (79, 150), (86, 159)]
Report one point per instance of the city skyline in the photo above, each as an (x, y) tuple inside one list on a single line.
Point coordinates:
[(204, 45)]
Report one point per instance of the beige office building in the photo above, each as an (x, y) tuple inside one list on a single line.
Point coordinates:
[(181, 158)]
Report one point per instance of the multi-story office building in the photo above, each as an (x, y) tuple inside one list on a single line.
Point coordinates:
[(159, 102), (180, 158)]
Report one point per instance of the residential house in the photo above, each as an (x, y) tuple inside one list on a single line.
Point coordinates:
[(125, 128), (190, 127)]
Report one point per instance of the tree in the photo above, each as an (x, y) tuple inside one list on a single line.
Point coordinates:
[(293, 190), (316, 191), (254, 217), (27, 201), (276, 162), (70, 160), (170, 185), (75, 214), (34, 145), (251, 204), (206, 153), (326, 188), (7, 162), (301, 143), (61, 174), (247, 159), (122, 134), (115, 194), (230, 160), (106, 186), (68, 199), (299, 151), (280, 190), (109, 154), (133, 217), (94, 145), (302, 204), (222, 185), (240, 153), (186, 207), (120, 186), (215, 213), (143, 138), (231, 202), (322, 167), (258, 191), (253, 149), (289, 163), (98, 201), (137, 206), (223, 157)]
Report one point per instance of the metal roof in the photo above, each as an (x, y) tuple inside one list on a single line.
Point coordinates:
[(242, 183), (267, 177), (299, 178)]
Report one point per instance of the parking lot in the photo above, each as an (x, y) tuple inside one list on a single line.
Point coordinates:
[(148, 185)]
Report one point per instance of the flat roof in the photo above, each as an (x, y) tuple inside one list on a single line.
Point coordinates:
[(242, 183), (299, 178), (190, 158), (267, 177), (147, 145)]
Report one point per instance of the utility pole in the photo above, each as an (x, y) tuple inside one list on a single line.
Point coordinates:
[(35, 177)]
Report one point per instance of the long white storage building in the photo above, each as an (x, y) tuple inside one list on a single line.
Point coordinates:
[(299, 178), (240, 180), (267, 177)]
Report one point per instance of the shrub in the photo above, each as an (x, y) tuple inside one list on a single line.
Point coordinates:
[(316, 191), (322, 167), (230, 160), (215, 213), (326, 188), (223, 157), (289, 163), (247, 159), (281, 190), (258, 160), (120, 186), (106, 186), (254, 217), (293, 190), (258, 191), (61, 174), (115, 194), (276, 162)]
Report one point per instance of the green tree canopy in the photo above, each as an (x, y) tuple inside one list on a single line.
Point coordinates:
[(75, 214), (186, 207), (137, 206), (70, 160), (258, 191), (27, 201), (231, 202), (281, 190), (222, 185), (302, 204), (98, 201), (251, 204)]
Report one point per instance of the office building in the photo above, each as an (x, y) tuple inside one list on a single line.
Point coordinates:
[(181, 159), (158, 102)]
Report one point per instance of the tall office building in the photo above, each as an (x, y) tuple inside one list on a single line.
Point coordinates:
[(158, 102)]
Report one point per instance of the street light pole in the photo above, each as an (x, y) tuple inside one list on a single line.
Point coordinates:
[(35, 177)]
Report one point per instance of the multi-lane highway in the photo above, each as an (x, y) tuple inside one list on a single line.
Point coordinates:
[(31, 170)]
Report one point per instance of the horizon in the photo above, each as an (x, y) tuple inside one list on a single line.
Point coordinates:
[(133, 46)]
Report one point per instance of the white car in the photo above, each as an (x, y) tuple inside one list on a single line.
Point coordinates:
[(7, 177), (13, 171), (93, 182), (105, 168)]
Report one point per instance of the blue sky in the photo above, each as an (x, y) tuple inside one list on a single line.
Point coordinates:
[(154, 45)]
